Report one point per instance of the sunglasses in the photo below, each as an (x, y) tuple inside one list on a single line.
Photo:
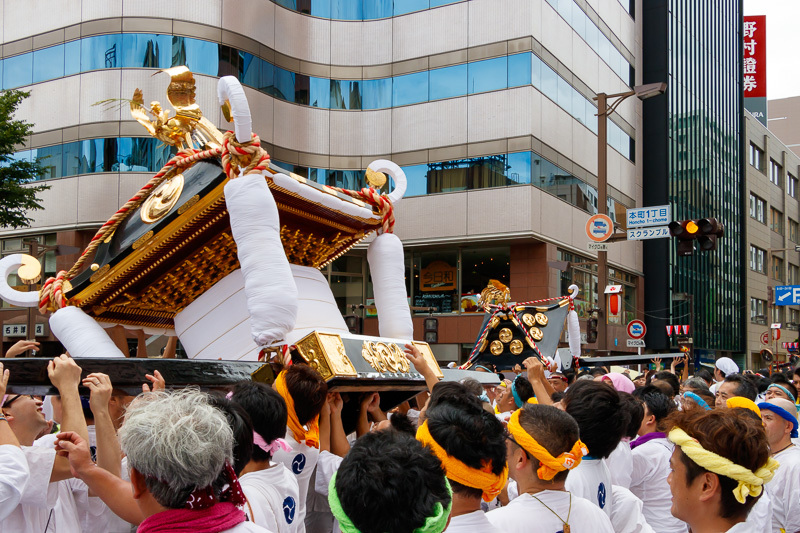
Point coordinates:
[(15, 398)]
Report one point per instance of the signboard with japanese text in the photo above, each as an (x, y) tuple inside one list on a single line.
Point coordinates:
[(438, 276), (787, 295), (754, 63), (640, 217), (21, 330), (661, 232)]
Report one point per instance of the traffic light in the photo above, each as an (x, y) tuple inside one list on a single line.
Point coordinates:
[(686, 231), (710, 229), (704, 230), (355, 324), (591, 330), (431, 330)]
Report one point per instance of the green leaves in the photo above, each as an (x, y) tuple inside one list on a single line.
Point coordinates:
[(17, 195)]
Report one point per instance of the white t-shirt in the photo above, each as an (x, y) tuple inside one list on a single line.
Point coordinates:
[(273, 495), (14, 473), (75, 510), (784, 491), (760, 516), (620, 464), (247, 527), (39, 496), (301, 461), (649, 484), (474, 522), (592, 480), (627, 516), (743, 527), (524, 514)]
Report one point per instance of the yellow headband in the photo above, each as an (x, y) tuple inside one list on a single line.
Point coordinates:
[(743, 403), (750, 483), (550, 466), (300, 434), (483, 478)]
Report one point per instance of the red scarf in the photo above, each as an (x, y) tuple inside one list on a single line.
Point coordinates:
[(219, 517)]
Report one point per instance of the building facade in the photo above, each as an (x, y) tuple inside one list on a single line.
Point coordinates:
[(783, 117), (773, 240), (693, 141), (487, 106)]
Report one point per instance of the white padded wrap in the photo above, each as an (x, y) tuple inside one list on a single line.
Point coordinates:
[(386, 263), (317, 308), (8, 266), (81, 335), (231, 90), (573, 326), (268, 283), (397, 174)]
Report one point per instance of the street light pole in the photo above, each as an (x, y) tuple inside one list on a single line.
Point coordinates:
[(603, 112)]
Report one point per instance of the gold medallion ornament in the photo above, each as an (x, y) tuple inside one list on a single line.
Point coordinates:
[(541, 319), (496, 347), (162, 200), (537, 334), (516, 347), (505, 335), (483, 345), (528, 319)]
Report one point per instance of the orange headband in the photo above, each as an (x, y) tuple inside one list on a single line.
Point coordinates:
[(311, 435), (550, 466), (483, 478)]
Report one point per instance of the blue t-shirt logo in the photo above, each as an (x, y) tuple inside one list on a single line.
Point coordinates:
[(298, 463), (601, 495), (289, 508)]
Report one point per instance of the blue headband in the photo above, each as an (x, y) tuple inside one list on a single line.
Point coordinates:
[(484, 398), (783, 413), (784, 389), (517, 399), (697, 399)]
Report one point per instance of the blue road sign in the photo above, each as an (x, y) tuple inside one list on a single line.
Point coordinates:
[(641, 217), (787, 295)]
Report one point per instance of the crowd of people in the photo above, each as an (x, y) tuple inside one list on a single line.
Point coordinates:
[(571, 452)]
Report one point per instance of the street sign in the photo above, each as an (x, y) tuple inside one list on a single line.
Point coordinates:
[(599, 227), (765, 337), (660, 232), (775, 326), (636, 329), (21, 330), (787, 295), (640, 217), (598, 247), (636, 343), (776, 334)]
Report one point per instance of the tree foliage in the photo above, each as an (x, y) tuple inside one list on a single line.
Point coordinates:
[(17, 195)]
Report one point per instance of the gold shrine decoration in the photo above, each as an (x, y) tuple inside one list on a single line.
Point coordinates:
[(162, 199), (325, 353), (385, 357)]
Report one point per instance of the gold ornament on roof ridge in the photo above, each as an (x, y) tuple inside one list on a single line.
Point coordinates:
[(495, 293), (188, 128)]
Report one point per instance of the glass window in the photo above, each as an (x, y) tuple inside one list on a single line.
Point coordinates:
[(758, 311), (591, 116), (71, 158), (519, 167), (757, 259), (141, 50), (17, 71), (283, 85), (402, 7), (775, 172), (519, 70), (202, 57), (794, 274), (436, 281), (48, 63), (536, 72), (794, 231), (777, 268), (549, 83), (756, 157), (758, 208), (791, 185), (417, 180), (578, 106), (448, 82), (776, 221), (410, 89), (101, 51), (376, 94), (377, 9), (349, 9), (51, 159), (345, 94), (478, 266), (250, 69), (564, 95), (72, 57), (487, 75)]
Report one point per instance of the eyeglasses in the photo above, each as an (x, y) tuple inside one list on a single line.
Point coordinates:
[(15, 398)]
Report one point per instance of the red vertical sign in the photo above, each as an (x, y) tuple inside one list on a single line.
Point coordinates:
[(755, 57)]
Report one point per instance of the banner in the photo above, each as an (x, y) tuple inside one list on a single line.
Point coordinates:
[(754, 66)]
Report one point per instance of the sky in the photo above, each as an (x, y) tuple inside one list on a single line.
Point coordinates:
[(783, 59)]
